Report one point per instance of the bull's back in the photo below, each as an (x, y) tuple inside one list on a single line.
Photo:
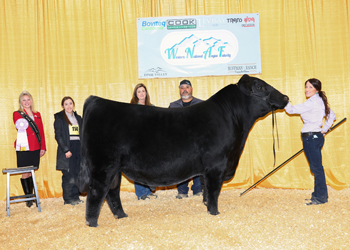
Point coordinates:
[(126, 126), (140, 135)]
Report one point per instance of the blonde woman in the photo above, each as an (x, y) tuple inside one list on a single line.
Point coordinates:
[(35, 139)]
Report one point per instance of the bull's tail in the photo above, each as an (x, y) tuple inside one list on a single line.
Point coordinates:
[(84, 175)]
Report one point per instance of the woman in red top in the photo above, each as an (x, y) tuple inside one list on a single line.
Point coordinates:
[(31, 153)]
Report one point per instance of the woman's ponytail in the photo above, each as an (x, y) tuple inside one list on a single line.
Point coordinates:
[(322, 94), (318, 85)]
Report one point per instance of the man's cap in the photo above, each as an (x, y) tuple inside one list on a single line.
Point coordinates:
[(185, 82)]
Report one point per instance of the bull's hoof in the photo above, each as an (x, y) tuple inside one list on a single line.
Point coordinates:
[(205, 199), (120, 216), (214, 213), (91, 224)]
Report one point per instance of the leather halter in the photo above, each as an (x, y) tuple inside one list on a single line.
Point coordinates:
[(274, 120)]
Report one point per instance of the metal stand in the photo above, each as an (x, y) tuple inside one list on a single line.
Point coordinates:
[(27, 197)]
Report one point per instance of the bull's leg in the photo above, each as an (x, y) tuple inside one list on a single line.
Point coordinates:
[(204, 187), (213, 183), (95, 197), (113, 199)]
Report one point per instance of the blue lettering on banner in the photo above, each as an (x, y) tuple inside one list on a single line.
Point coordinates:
[(207, 53), (192, 51), (171, 53), (189, 52), (156, 23), (220, 49)]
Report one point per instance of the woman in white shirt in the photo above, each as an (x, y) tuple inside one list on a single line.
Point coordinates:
[(312, 112)]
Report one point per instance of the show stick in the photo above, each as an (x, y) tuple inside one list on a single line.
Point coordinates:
[(277, 168)]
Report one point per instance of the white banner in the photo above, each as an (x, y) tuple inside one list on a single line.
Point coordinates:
[(198, 45)]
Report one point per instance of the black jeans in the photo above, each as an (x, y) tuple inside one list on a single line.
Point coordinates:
[(70, 176)]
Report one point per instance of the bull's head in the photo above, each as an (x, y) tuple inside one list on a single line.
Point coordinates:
[(259, 89)]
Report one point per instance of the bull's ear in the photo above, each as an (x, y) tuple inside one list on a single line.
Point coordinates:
[(245, 84)]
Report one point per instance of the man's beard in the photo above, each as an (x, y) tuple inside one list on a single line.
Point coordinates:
[(186, 95)]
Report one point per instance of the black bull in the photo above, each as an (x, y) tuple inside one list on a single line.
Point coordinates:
[(163, 146)]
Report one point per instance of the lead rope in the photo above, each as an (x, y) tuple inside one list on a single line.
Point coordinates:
[(274, 119)]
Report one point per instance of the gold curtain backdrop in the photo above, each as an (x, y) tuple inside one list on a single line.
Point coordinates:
[(54, 48)]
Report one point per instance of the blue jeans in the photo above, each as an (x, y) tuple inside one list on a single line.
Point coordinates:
[(312, 148), (182, 188), (141, 190)]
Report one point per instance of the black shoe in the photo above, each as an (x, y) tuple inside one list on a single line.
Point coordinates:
[(73, 203), (314, 202), (76, 202), (144, 197), (29, 203), (181, 196), (152, 196)]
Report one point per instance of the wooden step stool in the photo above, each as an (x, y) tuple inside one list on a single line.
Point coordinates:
[(27, 197)]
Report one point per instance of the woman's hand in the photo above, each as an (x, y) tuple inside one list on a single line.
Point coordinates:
[(42, 152), (68, 154), (324, 133)]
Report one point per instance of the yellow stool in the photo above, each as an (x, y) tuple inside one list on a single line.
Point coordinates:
[(27, 197)]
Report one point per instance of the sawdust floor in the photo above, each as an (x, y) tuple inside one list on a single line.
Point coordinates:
[(261, 219)]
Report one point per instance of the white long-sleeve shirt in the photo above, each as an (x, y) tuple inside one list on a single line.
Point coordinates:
[(312, 112)]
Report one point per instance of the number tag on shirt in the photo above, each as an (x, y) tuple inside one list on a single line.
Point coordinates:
[(73, 129)]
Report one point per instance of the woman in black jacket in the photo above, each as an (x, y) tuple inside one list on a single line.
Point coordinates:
[(67, 124)]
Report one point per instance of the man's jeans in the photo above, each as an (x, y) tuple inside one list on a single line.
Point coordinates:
[(142, 190), (182, 188)]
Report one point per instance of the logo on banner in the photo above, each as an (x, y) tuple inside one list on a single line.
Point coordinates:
[(155, 25), (249, 22), (181, 24), (155, 72), (199, 47), (243, 69)]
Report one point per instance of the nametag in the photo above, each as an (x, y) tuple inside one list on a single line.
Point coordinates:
[(74, 130), (315, 136)]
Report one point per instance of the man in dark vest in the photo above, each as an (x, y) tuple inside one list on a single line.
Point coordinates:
[(187, 100)]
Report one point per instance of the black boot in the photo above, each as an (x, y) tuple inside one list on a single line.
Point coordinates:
[(31, 189), (27, 189)]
